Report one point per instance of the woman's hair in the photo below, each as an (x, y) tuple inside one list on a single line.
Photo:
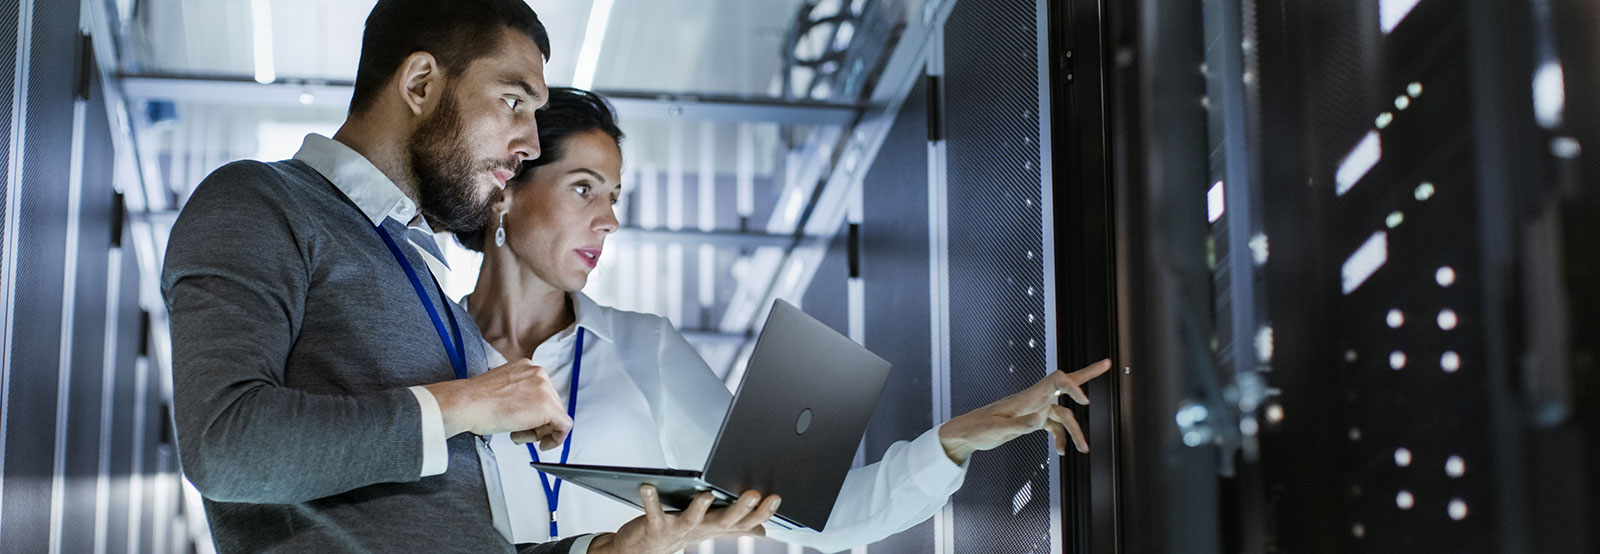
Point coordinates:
[(569, 112)]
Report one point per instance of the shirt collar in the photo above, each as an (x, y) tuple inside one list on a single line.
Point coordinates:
[(355, 176), (593, 318)]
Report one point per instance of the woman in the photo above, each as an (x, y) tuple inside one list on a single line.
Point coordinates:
[(644, 397)]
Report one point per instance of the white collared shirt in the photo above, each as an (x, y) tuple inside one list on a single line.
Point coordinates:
[(647, 399)]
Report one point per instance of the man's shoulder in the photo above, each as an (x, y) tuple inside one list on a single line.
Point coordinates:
[(246, 190), (267, 178)]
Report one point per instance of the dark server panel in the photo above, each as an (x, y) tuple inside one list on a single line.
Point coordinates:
[(1407, 314), (8, 94), (895, 280), (108, 393), (990, 124), (1402, 177), (40, 255), (1408, 429), (89, 336)]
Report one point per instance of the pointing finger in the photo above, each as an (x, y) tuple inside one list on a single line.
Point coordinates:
[(1090, 372)]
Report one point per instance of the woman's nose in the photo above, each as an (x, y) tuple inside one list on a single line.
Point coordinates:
[(607, 223)]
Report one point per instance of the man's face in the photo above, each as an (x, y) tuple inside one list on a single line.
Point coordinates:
[(476, 137)]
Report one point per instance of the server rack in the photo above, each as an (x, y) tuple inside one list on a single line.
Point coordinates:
[(1351, 296)]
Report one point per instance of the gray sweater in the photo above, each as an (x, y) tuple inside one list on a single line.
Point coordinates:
[(294, 336)]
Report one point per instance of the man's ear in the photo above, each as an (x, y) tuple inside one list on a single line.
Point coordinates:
[(421, 82)]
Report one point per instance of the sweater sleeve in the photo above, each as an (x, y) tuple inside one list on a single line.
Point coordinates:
[(235, 284)]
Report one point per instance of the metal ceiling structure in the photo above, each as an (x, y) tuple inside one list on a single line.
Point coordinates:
[(723, 171)]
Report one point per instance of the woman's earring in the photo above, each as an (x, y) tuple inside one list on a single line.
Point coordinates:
[(500, 231)]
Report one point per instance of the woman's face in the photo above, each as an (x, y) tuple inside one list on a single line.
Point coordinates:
[(558, 218)]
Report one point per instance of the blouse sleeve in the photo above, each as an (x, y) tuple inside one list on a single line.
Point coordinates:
[(912, 482)]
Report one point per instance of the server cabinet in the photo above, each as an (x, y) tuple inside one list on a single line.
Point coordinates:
[(35, 283), (88, 462), (1349, 287)]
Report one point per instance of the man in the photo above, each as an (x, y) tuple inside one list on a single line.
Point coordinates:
[(327, 394)]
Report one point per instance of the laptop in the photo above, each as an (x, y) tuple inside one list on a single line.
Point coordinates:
[(791, 430)]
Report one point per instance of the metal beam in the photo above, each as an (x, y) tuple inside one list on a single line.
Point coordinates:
[(630, 105), (730, 239), (697, 237)]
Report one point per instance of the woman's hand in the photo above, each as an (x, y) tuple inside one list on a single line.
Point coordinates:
[(1032, 409), (659, 532)]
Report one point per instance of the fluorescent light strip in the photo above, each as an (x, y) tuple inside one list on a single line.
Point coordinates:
[(1391, 12), (746, 171), (136, 476), (69, 297), (593, 35), (1358, 162), (108, 372), (1364, 262), (261, 16), (707, 197)]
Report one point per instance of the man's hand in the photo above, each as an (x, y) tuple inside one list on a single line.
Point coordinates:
[(1032, 409), (657, 532), (515, 397)]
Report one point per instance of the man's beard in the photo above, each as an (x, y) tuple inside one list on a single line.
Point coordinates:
[(447, 188)]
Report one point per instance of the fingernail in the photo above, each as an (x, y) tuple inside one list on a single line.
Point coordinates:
[(775, 503)]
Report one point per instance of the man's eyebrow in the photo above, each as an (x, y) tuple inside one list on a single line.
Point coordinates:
[(526, 87)]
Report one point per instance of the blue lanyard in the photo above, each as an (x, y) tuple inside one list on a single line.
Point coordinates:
[(552, 494), (458, 359)]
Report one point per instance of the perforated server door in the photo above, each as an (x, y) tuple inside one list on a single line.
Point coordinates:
[(40, 252), (996, 276)]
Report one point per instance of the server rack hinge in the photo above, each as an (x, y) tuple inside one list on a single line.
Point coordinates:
[(854, 245), (144, 332), (119, 214), (85, 67)]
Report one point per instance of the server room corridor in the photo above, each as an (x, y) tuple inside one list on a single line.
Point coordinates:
[(1339, 256)]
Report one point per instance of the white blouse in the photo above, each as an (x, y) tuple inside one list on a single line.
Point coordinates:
[(647, 399)]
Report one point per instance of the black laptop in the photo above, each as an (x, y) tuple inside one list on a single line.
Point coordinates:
[(792, 429)]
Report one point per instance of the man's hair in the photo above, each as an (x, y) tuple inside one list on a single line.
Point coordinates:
[(569, 112), (455, 32)]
